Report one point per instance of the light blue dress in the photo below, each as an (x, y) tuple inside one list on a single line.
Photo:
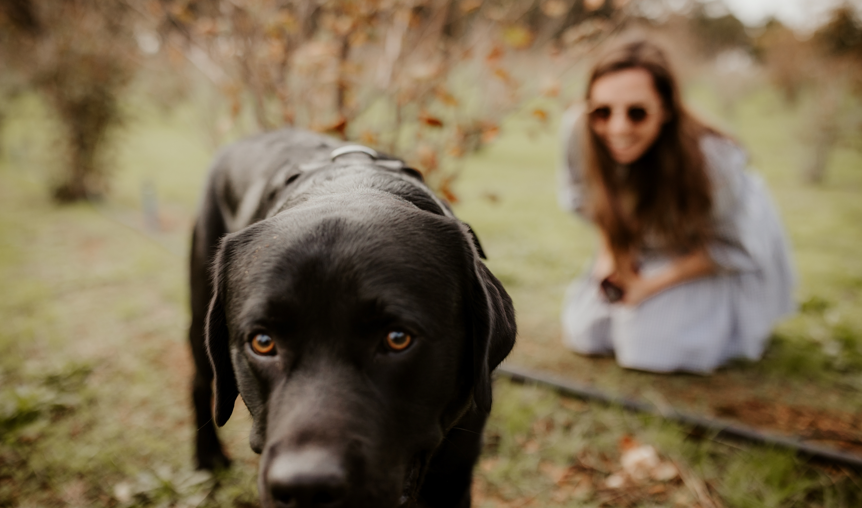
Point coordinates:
[(699, 325)]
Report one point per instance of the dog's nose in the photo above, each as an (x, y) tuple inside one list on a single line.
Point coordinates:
[(310, 478)]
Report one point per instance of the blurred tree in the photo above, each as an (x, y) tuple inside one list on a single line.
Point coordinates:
[(717, 33), (842, 35), (77, 54), (790, 61), (829, 65), (429, 80), (837, 113)]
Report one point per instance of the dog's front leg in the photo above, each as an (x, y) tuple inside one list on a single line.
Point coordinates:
[(450, 473), (208, 450)]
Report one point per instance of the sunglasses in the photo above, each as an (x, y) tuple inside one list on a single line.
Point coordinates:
[(635, 114)]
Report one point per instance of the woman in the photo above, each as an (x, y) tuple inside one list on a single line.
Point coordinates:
[(692, 268)]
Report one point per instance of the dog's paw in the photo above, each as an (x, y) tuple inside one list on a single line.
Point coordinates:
[(213, 461)]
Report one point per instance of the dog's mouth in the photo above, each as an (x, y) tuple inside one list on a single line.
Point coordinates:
[(412, 480)]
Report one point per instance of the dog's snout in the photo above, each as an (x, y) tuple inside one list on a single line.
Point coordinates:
[(310, 478)]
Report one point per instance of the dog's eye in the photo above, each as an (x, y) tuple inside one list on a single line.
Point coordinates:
[(398, 340), (263, 344)]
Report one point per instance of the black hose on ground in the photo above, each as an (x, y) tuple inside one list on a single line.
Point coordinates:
[(716, 426)]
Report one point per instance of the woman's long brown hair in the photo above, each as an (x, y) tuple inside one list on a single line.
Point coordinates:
[(668, 183)]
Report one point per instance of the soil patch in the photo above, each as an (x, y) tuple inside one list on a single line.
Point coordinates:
[(814, 412), (839, 430)]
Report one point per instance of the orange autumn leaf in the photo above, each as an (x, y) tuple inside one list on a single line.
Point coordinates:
[(338, 127), (445, 97), (495, 54), (540, 114), (502, 74), (431, 121), (446, 190), (369, 138), (489, 133), (627, 442)]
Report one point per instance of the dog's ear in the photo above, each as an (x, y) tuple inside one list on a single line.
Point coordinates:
[(476, 242), (492, 318), (218, 341)]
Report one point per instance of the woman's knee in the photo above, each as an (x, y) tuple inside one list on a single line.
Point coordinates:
[(589, 337)]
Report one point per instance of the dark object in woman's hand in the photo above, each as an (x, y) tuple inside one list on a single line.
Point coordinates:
[(612, 292)]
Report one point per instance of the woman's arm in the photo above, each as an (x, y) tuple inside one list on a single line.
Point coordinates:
[(682, 269), (604, 265)]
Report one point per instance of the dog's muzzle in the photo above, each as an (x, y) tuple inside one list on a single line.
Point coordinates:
[(310, 478)]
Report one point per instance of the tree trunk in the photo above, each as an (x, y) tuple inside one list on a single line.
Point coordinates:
[(825, 126)]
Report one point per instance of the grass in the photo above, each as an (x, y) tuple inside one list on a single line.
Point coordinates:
[(94, 367)]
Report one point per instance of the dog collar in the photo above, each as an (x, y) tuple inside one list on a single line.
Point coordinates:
[(387, 163), (347, 149)]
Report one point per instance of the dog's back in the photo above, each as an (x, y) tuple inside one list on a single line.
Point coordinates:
[(253, 178)]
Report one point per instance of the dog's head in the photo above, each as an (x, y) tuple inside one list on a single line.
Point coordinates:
[(358, 329)]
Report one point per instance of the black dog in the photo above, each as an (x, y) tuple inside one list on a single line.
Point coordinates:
[(352, 312)]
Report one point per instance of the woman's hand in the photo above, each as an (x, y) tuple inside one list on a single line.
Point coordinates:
[(623, 274), (636, 288)]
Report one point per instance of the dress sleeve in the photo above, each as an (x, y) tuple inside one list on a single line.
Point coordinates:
[(726, 163), (571, 189)]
